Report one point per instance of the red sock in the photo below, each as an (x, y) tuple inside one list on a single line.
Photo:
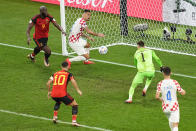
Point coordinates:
[(74, 117), (55, 113)]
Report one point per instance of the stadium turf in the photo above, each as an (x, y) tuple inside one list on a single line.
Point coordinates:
[(105, 86)]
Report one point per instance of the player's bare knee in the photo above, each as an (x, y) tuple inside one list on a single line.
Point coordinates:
[(86, 56), (87, 45), (175, 124)]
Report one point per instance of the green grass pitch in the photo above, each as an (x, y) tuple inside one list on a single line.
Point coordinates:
[(105, 86)]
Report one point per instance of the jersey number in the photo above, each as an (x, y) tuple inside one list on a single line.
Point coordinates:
[(169, 95), (59, 80), (143, 57)]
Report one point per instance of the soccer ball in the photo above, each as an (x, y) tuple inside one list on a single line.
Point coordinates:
[(103, 50)]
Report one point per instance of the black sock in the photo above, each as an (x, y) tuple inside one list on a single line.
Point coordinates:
[(75, 110)]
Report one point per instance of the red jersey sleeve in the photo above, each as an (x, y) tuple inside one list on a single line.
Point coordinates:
[(70, 77), (51, 18), (34, 19)]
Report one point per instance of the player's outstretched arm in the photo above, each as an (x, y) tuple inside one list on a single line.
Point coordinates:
[(58, 27), (156, 58), (135, 61), (179, 89), (30, 26), (93, 33), (183, 92), (88, 37), (74, 83), (48, 85)]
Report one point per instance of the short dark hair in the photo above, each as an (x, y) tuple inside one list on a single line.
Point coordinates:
[(86, 11), (140, 43), (64, 64), (166, 70)]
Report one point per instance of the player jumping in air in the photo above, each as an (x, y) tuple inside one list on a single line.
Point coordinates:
[(40, 37), (170, 106), (59, 92), (143, 60), (77, 39)]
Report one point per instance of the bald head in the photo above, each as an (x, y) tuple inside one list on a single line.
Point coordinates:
[(43, 11)]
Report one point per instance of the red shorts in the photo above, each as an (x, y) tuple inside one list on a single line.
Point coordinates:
[(66, 99)]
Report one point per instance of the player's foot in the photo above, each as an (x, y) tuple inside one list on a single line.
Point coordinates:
[(88, 62), (128, 101), (75, 124), (55, 119), (46, 62), (69, 63), (143, 93), (31, 58)]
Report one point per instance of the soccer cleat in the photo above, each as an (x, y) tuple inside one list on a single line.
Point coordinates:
[(31, 58), (143, 93), (88, 62), (75, 124), (46, 62), (69, 63), (55, 119), (128, 101)]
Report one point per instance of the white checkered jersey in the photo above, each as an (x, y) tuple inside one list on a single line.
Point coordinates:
[(77, 30), (168, 90)]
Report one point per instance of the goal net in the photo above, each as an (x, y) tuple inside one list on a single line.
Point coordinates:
[(166, 25)]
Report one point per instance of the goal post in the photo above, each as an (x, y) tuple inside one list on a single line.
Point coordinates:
[(63, 25)]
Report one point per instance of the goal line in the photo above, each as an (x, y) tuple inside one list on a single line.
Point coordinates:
[(135, 45)]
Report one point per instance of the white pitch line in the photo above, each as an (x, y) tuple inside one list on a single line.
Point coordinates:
[(108, 62), (47, 119)]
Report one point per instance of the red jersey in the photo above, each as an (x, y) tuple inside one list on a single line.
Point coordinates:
[(41, 26), (60, 81)]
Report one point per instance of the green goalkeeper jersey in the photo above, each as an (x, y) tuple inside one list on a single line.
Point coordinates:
[(143, 60)]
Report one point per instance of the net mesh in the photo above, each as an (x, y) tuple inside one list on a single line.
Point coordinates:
[(157, 34)]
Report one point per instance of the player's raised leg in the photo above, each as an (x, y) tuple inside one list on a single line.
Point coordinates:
[(82, 48), (87, 48), (33, 54), (35, 51), (149, 76), (136, 81), (87, 55), (47, 53)]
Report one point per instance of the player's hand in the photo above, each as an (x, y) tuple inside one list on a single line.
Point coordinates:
[(100, 35), (90, 38), (28, 41), (49, 95), (79, 92), (63, 32)]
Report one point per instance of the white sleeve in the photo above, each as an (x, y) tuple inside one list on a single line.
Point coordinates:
[(51, 78), (30, 21), (53, 19), (84, 25)]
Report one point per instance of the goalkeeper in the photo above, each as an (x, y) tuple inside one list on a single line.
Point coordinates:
[(143, 61)]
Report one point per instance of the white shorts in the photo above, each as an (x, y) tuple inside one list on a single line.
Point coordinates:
[(173, 116), (78, 46)]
